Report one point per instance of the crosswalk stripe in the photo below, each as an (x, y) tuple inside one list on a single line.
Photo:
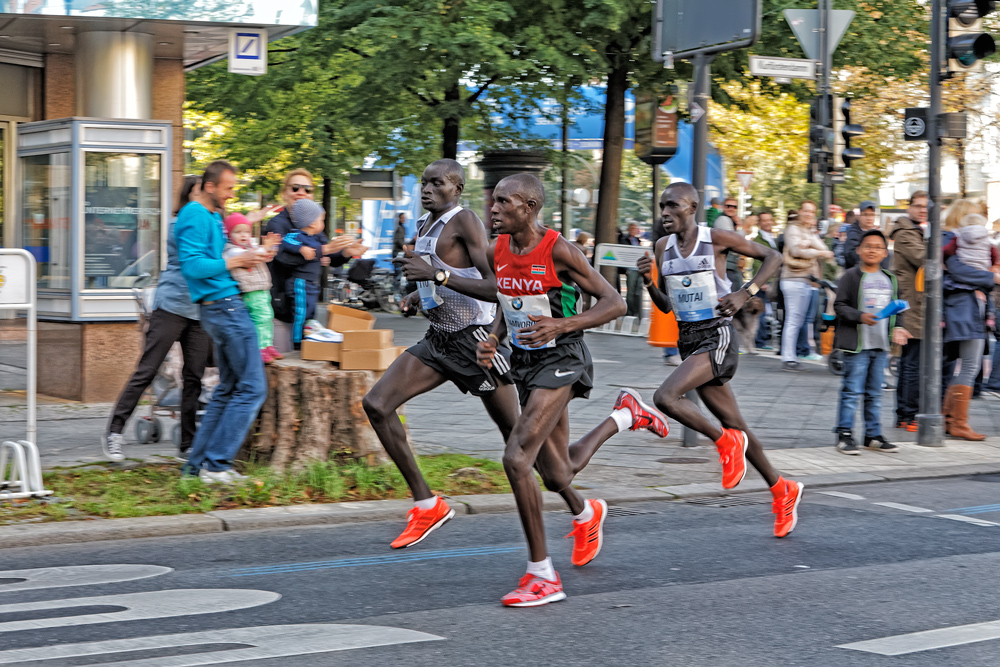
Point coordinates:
[(967, 519), (841, 494), (262, 642), (388, 559), (928, 640), (905, 508)]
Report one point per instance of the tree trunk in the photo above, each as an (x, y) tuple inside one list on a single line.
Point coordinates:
[(313, 411), (449, 135), (606, 223)]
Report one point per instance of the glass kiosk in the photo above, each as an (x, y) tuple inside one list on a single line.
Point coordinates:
[(94, 203)]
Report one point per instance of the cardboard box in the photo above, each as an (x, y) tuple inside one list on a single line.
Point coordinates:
[(368, 360), (342, 318), (317, 351), (375, 339)]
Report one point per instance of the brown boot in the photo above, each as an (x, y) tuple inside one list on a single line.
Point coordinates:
[(947, 408), (960, 411)]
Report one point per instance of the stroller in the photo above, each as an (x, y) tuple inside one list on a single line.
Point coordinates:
[(164, 393)]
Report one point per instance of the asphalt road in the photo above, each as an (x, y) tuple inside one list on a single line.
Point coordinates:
[(677, 583)]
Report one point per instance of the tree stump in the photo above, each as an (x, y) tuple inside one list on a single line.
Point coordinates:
[(313, 411)]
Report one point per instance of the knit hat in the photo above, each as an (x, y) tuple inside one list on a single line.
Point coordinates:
[(304, 212), (234, 220)]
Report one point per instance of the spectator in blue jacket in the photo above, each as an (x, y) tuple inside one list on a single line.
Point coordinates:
[(242, 385)]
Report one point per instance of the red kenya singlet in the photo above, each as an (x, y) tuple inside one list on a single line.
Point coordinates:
[(528, 285)]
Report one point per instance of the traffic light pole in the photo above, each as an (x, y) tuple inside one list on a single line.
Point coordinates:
[(826, 180), (930, 422), (699, 153)]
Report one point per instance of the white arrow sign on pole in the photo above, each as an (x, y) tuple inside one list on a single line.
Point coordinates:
[(744, 177)]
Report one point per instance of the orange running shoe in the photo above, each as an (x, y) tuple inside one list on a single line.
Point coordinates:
[(533, 591), (785, 506), (589, 535), (422, 522), (732, 448), (643, 416)]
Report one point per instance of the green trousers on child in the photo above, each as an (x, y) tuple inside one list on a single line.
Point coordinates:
[(259, 305)]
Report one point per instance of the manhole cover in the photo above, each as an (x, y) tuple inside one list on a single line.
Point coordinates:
[(625, 511), (726, 501), (682, 459)]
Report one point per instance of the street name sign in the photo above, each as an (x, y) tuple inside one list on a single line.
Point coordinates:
[(791, 68), (805, 25)]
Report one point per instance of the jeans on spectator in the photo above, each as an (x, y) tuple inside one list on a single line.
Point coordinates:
[(763, 335), (971, 354), (863, 373), (908, 386), (802, 347), (241, 391), (798, 295), (993, 384), (633, 293), (164, 330)]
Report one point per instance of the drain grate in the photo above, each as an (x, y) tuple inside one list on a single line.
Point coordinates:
[(624, 511), (726, 501), (682, 459)]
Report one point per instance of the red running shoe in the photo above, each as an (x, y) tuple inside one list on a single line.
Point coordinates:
[(643, 416), (274, 352), (732, 448), (422, 522), (533, 591), (265, 355), (589, 535), (785, 506)]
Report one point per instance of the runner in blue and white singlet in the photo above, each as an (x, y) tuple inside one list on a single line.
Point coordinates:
[(692, 283)]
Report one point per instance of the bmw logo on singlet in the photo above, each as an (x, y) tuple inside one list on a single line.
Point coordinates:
[(687, 281), (517, 303)]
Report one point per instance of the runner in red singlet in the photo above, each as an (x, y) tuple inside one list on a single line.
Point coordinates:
[(539, 278)]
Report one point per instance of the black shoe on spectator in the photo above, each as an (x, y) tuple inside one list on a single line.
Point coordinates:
[(880, 444), (846, 444), (791, 366)]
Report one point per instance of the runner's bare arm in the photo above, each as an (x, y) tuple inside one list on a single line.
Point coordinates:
[(771, 262), (610, 304), (485, 349), (657, 292)]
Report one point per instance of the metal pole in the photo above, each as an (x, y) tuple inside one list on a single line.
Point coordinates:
[(32, 356), (826, 189), (657, 187), (930, 422), (699, 153), (564, 208)]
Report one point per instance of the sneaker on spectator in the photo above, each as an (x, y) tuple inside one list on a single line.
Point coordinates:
[(114, 446), (672, 360), (791, 366), (221, 477), (846, 444), (812, 356), (880, 444)]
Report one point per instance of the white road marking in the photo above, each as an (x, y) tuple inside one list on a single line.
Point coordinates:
[(138, 606), (77, 575), (905, 508), (268, 641), (929, 639), (841, 494), (968, 519)]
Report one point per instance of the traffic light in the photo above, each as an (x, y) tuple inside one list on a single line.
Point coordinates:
[(846, 131), (967, 44), (820, 136)]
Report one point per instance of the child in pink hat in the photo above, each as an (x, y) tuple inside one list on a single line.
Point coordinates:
[(255, 283)]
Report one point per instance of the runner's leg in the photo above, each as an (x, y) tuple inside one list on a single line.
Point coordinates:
[(581, 451), (503, 408), (538, 420), (406, 377), (721, 402), (693, 372), (555, 467)]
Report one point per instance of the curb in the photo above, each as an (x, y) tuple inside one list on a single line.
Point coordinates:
[(95, 530)]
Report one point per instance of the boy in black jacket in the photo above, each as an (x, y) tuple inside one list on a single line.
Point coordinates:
[(863, 291)]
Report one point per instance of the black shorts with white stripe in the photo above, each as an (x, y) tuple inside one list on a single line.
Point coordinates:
[(453, 355), (719, 342)]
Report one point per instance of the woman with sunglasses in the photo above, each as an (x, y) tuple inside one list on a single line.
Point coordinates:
[(298, 185)]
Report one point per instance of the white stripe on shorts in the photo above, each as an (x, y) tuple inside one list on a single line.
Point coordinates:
[(720, 352)]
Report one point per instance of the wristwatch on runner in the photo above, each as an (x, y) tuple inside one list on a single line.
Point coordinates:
[(441, 277), (751, 289)]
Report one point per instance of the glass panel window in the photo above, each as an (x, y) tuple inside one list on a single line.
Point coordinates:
[(45, 207), (121, 218)]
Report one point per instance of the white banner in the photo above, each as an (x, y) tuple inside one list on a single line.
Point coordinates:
[(624, 256)]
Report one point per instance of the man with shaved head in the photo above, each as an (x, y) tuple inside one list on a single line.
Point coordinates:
[(539, 278), (457, 292), (693, 284)]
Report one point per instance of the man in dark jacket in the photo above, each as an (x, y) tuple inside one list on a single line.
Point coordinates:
[(866, 221), (909, 251)]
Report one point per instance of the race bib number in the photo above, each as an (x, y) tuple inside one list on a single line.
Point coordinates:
[(516, 310), (693, 296)]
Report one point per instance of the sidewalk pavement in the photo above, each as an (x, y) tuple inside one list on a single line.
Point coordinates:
[(792, 413)]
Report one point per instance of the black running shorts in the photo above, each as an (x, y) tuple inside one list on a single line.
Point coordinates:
[(552, 368), (721, 348), (453, 355)]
